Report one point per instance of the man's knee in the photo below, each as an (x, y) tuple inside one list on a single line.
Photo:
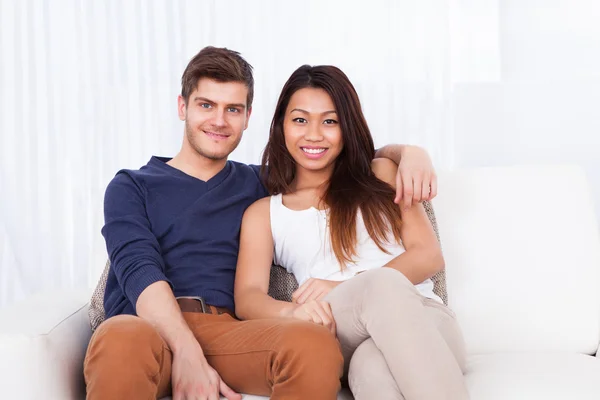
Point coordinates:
[(312, 347), (122, 341)]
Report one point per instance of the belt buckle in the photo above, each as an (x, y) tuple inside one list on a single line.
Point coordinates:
[(205, 308)]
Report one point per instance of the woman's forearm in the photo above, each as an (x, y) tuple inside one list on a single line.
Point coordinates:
[(255, 304), (418, 264)]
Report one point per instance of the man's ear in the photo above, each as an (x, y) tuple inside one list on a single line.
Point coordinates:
[(248, 117), (181, 108)]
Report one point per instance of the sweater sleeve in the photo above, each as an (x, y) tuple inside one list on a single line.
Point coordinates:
[(133, 249)]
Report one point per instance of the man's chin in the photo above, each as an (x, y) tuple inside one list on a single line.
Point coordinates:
[(214, 156)]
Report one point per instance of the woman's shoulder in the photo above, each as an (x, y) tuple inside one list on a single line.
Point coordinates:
[(259, 208), (385, 170)]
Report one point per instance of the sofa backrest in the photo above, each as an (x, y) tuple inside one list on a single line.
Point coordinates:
[(522, 253), (281, 285)]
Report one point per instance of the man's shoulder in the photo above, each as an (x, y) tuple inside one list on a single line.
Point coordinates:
[(135, 178), (251, 175), (247, 170)]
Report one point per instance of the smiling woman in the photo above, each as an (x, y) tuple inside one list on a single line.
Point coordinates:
[(331, 216), (312, 132)]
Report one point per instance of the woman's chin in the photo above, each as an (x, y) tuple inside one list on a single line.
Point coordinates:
[(313, 166)]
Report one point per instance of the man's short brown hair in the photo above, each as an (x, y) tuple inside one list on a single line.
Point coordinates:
[(221, 65)]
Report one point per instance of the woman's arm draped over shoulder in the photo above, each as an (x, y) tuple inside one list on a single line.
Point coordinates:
[(423, 256)]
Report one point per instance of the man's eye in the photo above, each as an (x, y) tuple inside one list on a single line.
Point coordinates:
[(233, 109), (299, 120), (205, 105), (330, 122)]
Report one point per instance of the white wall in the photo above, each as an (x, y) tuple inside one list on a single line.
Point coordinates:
[(87, 88), (90, 87), (546, 106)]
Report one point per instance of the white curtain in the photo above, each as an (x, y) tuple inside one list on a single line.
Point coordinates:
[(88, 88)]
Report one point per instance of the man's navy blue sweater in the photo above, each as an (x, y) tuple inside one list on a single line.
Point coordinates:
[(164, 225)]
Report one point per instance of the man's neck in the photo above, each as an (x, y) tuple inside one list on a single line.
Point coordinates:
[(196, 165)]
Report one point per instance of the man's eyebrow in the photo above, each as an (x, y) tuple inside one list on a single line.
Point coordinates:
[(306, 112), (238, 105), (204, 99)]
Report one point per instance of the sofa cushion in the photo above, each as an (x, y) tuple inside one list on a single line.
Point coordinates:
[(281, 285), (526, 376), (522, 255)]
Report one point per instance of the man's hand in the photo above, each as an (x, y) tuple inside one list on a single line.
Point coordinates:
[(313, 289), (315, 311), (416, 180), (193, 378)]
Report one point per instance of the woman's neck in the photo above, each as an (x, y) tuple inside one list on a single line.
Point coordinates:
[(307, 179)]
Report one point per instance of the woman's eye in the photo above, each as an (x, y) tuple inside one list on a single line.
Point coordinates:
[(299, 120), (330, 121)]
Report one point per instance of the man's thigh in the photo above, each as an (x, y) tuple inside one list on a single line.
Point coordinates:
[(246, 354)]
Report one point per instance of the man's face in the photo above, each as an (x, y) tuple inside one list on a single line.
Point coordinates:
[(215, 117)]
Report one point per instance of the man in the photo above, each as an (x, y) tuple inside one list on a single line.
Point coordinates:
[(172, 230)]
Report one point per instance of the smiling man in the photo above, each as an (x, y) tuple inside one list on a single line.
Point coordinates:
[(172, 235)]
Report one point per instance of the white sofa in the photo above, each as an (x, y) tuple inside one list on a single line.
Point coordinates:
[(522, 253)]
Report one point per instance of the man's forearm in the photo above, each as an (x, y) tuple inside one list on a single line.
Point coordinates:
[(158, 306), (392, 152)]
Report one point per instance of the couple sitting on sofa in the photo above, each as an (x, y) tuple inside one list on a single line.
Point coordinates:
[(181, 231)]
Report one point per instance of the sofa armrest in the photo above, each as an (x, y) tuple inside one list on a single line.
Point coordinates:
[(43, 341)]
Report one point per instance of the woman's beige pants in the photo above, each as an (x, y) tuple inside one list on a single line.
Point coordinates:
[(397, 344)]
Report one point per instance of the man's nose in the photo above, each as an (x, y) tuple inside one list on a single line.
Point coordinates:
[(219, 118)]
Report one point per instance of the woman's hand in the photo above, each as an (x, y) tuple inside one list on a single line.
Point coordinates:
[(315, 311), (313, 289)]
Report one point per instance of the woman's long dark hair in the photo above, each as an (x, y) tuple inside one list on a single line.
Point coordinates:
[(352, 185)]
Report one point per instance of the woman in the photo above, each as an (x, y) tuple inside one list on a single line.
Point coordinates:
[(363, 264)]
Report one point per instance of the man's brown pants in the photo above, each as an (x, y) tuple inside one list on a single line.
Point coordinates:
[(280, 358)]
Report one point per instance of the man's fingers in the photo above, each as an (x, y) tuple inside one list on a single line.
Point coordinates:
[(425, 188), (417, 183), (327, 308), (407, 183), (433, 185), (228, 392), (398, 188), (315, 317), (326, 319)]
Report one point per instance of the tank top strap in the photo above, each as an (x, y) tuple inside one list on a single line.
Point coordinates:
[(276, 208)]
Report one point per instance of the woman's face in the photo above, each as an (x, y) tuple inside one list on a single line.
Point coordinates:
[(311, 129)]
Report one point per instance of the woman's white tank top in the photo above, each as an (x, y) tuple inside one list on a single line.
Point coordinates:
[(303, 246)]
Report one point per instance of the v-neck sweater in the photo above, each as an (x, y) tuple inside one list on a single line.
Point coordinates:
[(164, 225)]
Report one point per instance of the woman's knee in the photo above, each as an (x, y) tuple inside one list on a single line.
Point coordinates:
[(388, 281)]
